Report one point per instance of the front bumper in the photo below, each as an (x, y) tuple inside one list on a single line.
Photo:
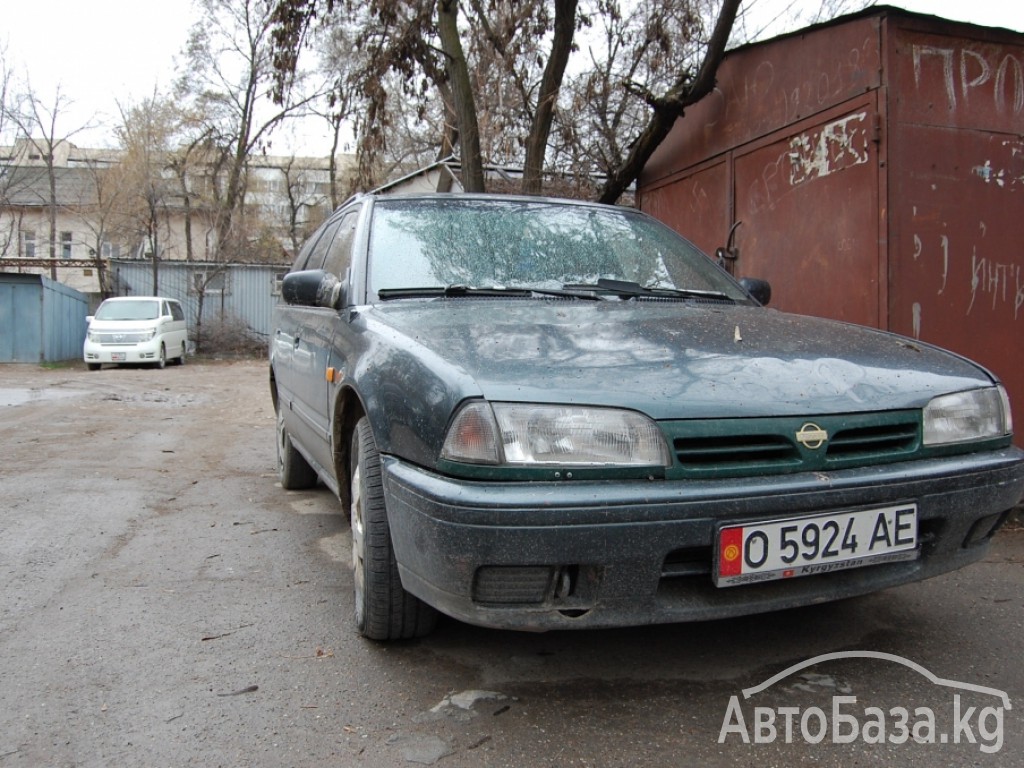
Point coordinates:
[(141, 352), (559, 555)]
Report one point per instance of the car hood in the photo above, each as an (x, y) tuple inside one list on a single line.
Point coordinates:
[(673, 359)]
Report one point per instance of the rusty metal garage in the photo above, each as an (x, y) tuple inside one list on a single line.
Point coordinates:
[(873, 170)]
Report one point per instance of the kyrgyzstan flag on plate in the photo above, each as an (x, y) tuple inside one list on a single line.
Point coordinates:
[(730, 552)]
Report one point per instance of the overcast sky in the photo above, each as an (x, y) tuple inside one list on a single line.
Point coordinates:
[(108, 51)]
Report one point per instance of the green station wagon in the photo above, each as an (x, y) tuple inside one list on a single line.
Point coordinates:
[(545, 414)]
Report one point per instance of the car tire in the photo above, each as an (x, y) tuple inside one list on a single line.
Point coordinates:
[(93, 366), (161, 363), (383, 609), (292, 468), (181, 357)]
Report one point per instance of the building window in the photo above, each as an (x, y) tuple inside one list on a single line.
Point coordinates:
[(28, 244), (209, 283), (111, 250), (65, 245), (278, 281)]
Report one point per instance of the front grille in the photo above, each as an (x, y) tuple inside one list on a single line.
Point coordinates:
[(122, 337), (872, 441), (737, 451), (710, 448)]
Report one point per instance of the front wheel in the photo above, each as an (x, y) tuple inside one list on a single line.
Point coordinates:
[(383, 610), (161, 362)]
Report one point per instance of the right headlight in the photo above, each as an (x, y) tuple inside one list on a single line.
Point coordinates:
[(963, 416), (553, 435)]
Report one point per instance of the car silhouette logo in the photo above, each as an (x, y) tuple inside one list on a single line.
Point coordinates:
[(748, 692)]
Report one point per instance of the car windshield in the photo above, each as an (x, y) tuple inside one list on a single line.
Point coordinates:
[(543, 245), (136, 309)]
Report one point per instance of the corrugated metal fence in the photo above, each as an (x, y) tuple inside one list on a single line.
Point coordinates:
[(41, 321), (236, 293)]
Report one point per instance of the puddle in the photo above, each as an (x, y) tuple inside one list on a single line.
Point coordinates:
[(23, 396)]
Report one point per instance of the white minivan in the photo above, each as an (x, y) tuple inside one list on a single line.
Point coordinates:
[(136, 329)]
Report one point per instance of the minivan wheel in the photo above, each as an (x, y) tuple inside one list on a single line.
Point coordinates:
[(181, 357), (292, 468), (383, 609), (161, 363)]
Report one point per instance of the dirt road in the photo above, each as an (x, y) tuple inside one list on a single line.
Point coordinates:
[(166, 603)]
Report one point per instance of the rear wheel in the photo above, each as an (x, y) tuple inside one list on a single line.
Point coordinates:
[(384, 610), (292, 467), (93, 366)]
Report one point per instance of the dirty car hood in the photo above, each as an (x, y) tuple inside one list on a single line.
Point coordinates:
[(675, 359)]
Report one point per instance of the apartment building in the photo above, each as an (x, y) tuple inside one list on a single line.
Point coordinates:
[(69, 212)]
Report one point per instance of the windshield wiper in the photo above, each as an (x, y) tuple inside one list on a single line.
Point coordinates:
[(434, 291), (448, 291), (628, 289)]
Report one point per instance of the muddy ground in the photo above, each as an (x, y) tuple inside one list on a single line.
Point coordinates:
[(166, 603)]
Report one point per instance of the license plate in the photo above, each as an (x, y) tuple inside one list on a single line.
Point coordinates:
[(806, 546), (118, 357)]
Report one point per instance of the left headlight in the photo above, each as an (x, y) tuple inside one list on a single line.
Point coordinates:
[(553, 435), (973, 415)]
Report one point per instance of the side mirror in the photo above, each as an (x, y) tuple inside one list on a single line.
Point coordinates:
[(759, 290), (313, 288)]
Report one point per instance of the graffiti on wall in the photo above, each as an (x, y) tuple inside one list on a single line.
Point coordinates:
[(1000, 174), (990, 283), (837, 145), (812, 155), (972, 73)]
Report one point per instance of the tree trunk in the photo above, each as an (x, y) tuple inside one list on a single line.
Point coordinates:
[(537, 141), (52, 178), (465, 106)]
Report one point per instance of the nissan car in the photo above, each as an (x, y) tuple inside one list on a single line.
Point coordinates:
[(544, 414)]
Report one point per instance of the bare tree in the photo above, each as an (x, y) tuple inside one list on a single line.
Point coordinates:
[(185, 162), (101, 212), (506, 62), (8, 134), (688, 89), (228, 75), (37, 122), (299, 190), (411, 124), (145, 134)]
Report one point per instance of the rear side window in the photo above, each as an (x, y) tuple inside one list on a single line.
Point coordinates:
[(339, 255), (176, 312), (319, 252), (300, 260)]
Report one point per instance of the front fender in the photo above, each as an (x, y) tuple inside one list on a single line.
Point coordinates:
[(407, 392)]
